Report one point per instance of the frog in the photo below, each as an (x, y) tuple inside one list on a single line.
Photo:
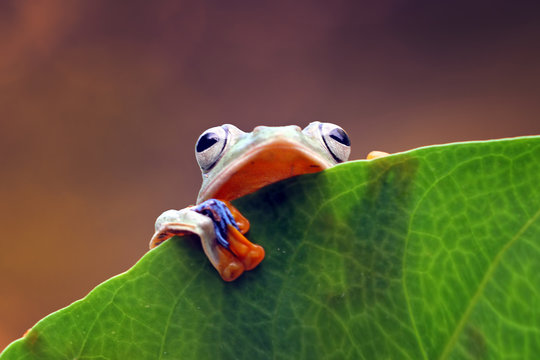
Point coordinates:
[(235, 163)]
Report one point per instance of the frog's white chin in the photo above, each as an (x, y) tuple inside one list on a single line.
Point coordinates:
[(263, 165)]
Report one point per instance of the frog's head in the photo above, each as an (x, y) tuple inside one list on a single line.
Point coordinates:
[(235, 163)]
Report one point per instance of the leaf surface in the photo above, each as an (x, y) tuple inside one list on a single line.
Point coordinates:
[(429, 254)]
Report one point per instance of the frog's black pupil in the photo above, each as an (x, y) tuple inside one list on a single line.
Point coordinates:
[(340, 136), (206, 141)]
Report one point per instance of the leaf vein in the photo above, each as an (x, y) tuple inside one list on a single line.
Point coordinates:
[(487, 276)]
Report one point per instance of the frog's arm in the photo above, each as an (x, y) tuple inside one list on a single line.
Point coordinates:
[(214, 222)]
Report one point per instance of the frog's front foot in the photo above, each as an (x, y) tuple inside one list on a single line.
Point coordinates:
[(220, 227), (376, 154)]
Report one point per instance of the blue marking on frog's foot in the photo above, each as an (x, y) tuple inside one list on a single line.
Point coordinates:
[(221, 217)]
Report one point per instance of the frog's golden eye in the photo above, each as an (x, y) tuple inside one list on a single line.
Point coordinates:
[(336, 140), (210, 146)]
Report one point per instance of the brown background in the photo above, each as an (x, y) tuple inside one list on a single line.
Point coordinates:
[(101, 104)]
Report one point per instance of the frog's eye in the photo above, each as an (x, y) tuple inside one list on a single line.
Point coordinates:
[(210, 146), (336, 140)]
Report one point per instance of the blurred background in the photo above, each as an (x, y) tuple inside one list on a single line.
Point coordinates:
[(101, 104)]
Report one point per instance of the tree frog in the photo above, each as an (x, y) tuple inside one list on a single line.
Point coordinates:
[(235, 163)]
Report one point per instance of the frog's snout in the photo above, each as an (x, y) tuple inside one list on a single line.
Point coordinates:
[(259, 129)]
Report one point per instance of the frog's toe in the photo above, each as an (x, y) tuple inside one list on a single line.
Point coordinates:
[(253, 257), (232, 271), (167, 217), (228, 266), (248, 253), (180, 222), (241, 221), (168, 230), (376, 154)]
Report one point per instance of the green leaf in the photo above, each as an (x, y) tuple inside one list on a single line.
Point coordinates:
[(432, 253)]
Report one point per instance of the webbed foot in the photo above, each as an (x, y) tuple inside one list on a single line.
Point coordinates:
[(220, 227), (248, 253)]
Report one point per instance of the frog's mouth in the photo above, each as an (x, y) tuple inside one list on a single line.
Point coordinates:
[(264, 165)]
